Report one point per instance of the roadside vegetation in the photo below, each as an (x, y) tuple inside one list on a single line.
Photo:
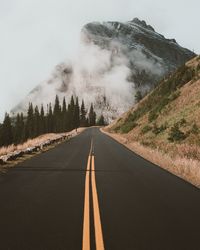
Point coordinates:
[(167, 91), (167, 122)]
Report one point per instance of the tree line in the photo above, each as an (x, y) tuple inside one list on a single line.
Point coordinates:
[(57, 119)]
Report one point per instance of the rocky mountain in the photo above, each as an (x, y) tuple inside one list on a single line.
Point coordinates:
[(115, 60), (141, 45)]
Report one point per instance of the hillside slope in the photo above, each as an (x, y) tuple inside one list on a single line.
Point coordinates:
[(168, 119), (115, 60)]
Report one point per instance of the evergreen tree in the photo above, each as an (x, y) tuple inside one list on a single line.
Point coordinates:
[(1, 135), (7, 131), (50, 120), (29, 129), (71, 112), (19, 129), (64, 116), (77, 114), (83, 115), (101, 121), (42, 127), (22, 127), (87, 122), (36, 122), (92, 116), (57, 116)]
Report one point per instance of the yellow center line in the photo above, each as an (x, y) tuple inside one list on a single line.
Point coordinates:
[(96, 211), (97, 218), (86, 222)]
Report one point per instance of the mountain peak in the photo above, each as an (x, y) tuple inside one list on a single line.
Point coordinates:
[(142, 23)]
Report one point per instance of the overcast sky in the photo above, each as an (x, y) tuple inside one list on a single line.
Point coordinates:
[(36, 35)]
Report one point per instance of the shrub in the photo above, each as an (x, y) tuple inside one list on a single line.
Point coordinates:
[(146, 129), (176, 134), (116, 129), (182, 122), (157, 130), (127, 127), (174, 95), (138, 96), (152, 116), (194, 129)]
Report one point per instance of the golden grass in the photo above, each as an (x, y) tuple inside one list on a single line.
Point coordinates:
[(30, 143), (180, 165), (36, 141), (181, 159)]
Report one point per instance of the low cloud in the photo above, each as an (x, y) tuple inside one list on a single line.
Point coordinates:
[(99, 76)]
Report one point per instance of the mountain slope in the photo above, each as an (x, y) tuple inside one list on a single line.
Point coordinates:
[(115, 60), (167, 120)]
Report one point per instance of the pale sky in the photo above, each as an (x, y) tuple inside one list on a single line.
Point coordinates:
[(36, 35)]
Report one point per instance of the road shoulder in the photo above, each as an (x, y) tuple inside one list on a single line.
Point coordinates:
[(164, 161)]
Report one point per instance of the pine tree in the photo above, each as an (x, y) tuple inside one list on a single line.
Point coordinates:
[(101, 121), (71, 112), (92, 116), (22, 132), (16, 132), (29, 129), (64, 116), (83, 115), (77, 114), (57, 116), (42, 125), (36, 122), (1, 135), (19, 129), (7, 131), (50, 120), (87, 122)]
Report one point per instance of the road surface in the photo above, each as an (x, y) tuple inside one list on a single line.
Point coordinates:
[(93, 193)]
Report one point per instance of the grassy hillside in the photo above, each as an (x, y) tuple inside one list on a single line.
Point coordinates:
[(168, 119)]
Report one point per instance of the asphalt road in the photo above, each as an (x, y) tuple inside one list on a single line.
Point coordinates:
[(93, 193)]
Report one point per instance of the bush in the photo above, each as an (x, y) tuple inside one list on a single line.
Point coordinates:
[(176, 134), (152, 116), (146, 129), (138, 96), (194, 129), (182, 122), (157, 130), (174, 95), (127, 127)]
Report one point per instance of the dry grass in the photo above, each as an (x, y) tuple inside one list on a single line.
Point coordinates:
[(36, 141), (28, 144), (181, 158), (180, 165)]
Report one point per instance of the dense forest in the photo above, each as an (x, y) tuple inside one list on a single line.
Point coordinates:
[(57, 119)]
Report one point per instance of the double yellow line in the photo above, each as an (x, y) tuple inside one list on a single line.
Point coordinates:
[(90, 172)]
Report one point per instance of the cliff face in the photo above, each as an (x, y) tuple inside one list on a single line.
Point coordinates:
[(115, 60)]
